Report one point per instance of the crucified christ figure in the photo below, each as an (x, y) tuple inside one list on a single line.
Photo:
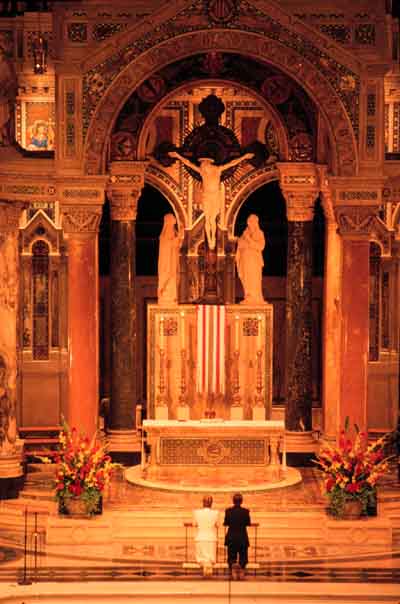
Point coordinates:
[(212, 198)]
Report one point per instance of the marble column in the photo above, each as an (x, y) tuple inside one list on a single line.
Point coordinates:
[(298, 325), (124, 190), (10, 446), (331, 324), (298, 185), (80, 224), (356, 225)]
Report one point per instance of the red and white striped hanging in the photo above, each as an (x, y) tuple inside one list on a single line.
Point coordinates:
[(210, 349)]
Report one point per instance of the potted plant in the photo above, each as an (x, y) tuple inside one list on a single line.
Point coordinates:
[(84, 469), (352, 469)]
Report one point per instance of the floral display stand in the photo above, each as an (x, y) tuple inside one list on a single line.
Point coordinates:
[(83, 470), (352, 470)]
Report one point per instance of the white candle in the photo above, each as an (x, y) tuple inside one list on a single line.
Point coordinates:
[(182, 330), (161, 332), (259, 336), (237, 332)]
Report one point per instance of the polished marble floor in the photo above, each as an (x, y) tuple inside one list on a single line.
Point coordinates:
[(292, 560)]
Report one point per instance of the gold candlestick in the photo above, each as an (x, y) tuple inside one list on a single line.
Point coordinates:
[(259, 399)]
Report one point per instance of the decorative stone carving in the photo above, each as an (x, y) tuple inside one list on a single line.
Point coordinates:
[(356, 220), (123, 203), (320, 80), (9, 216), (124, 188), (299, 184), (300, 205), (81, 219)]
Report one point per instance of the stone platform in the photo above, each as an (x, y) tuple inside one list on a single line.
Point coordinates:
[(216, 480)]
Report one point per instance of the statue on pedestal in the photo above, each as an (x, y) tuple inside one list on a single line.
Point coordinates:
[(168, 262), (249, 261)]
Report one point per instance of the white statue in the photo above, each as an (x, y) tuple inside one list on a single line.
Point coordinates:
[(212, 193), (168, 261), (249, 261)]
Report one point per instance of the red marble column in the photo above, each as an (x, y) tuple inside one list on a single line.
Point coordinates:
[(81, 227), (355, 332)]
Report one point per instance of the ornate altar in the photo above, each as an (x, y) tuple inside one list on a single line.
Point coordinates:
[(221, 451)]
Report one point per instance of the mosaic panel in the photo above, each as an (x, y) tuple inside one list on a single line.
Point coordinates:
[(35, 125), (371, 104), (365, 34), (40, 278), (370, 137), (385, 310), (340, 33), (77, 32), (222, 451), (396, 128), (250, 326)]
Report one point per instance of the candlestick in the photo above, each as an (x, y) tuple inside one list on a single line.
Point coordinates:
[(182, 330), (237, 332)]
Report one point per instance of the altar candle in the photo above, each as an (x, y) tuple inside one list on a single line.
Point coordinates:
[(259, 335), (237, 332), (161, 332), (182, 330)]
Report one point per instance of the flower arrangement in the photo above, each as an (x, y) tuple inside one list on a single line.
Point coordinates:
[(83, 469), (352, 469)]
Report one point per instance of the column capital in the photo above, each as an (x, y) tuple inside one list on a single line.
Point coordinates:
[(81, 219), (299, 183), (357, 222), (125, 187), (10, 213)]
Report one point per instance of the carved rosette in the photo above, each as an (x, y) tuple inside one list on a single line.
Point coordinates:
[(82, 220)]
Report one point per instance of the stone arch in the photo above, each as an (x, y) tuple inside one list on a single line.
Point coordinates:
[(103, 110), (277, 120), (254, 182), (165, 187)]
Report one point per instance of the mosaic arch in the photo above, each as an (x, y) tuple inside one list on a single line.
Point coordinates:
[(269, 129), (107, 95)]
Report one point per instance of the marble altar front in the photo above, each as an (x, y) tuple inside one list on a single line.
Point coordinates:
[(173, 449)]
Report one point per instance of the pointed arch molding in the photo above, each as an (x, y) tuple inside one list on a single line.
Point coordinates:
[(133, 56)]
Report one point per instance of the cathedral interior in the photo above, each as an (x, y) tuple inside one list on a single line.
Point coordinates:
[(199, 267)]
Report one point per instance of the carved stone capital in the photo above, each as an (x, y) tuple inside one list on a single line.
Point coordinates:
[(125, 187), (358, 222), (10, 213), (81, 219), (299, 183), (123, 202), (300, 205)]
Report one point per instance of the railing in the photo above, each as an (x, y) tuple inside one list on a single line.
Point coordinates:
[(191, 563)]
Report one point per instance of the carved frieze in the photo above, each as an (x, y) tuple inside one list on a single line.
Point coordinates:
[(81, 219), (362, 222)]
